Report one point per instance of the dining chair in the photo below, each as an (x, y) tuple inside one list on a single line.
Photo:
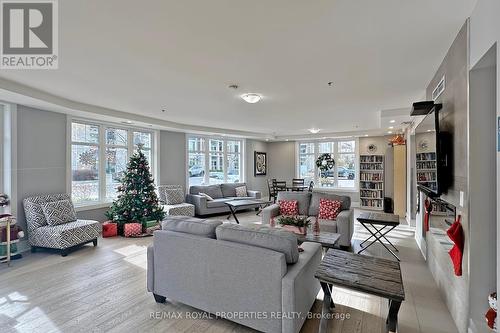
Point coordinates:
[(298, 182), (279, 186), (311, 186), (272, 193)]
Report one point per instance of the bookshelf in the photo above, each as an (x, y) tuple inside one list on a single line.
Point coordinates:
[(426, 170), (371, 181)]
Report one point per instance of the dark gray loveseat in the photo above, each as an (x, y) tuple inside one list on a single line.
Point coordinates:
[(220, 193)]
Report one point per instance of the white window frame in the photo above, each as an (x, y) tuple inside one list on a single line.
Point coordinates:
[(206, 153), (102, 201), (336, 155)]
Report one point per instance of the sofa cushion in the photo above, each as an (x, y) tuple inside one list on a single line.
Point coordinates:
[(191, 225), (273, 239), (212, 190), (316, 196), (303, 199), (327, 226), (329, 209), (65, 235), (229, 189), (59, 212), (218, 203)]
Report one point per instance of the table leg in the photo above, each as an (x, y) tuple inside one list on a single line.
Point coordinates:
[(378, 238), (366, 240), (233, 211), (261, 207), (328, 305), (392, 317)]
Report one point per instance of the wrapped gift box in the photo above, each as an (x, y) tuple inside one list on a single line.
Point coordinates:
[(109, 229), (132, 229)]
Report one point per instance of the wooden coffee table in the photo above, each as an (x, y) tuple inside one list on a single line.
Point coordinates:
[(375, 276), (379, 225), (326, 239)]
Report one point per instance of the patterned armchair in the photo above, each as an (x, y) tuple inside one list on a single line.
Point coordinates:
[(173, 200), (62, 236)]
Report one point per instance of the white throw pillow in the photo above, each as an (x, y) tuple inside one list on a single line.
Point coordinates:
[(209, 198), (241, 191)]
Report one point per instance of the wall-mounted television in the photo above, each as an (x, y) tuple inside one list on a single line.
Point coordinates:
[(432, 155)]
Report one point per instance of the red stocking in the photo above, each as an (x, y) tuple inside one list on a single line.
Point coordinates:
[(428, 210), (456, 234)]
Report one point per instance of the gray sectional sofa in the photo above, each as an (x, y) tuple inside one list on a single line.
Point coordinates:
[(309, 206), (226, 269), (220, 193)]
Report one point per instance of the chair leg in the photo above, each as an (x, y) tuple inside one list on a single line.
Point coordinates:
[(33, 249), (95, 242), (159, 298), (64, 252)]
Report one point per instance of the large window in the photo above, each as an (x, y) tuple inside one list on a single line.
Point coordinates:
[(343, 175), (214, 160), (99, 157)]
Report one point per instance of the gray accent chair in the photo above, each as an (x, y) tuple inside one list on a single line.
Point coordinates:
[(309, 206), (220, 193), (231, 268), (62, 237)]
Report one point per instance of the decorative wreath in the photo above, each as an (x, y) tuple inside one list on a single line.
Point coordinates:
[(325, 162)]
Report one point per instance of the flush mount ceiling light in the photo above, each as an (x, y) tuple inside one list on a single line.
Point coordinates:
[(314, 130), (392, 121), (251, 98)]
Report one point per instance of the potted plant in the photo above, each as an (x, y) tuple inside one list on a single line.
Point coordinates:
[(296, 224)]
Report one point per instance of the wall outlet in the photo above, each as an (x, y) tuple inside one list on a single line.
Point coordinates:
[(461, 198)]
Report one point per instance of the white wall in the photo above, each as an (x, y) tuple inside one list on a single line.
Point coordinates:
[(484, 34), (257, 183), (281, 160), (172, 155), (41, 155)]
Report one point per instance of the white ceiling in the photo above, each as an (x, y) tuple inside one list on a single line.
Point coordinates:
[(143, 56)]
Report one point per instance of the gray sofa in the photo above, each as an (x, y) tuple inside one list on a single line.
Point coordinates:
[(226, 269), (220, 193), (309, 206)]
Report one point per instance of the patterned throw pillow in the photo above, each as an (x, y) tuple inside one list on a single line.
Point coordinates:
[(329, 209), (209, 198), (241, 191), (289, 207), (174, 196), (59, 212)]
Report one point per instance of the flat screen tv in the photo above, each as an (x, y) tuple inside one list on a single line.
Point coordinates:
[(432, 155)]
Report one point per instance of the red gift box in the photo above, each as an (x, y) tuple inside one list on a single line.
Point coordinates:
[(132, 229), (109, 229)]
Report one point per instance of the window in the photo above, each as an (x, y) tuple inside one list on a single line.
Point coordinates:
[(343, 175), (91, 143), (214, 160)]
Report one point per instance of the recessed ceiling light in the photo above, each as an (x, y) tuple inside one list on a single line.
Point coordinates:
[(391, 127), (251, 98), (287, 140), (428, 130), (390, 132), (128, 121), (267, 139), (392, 121), (366, 134), (314, 130)]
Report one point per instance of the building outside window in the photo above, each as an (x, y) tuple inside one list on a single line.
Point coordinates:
[(214, 160), (343, 175), (99, 157)]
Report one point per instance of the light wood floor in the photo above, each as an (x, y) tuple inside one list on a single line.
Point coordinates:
[(103, 289)]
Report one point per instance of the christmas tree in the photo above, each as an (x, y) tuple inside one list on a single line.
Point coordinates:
[(137, 200)]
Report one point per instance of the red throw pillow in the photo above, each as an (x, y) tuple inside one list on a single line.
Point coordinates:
[(289, 207), (329, 209)]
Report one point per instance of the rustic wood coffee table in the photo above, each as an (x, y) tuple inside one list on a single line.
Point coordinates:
[(372, 221), (326, 239), (375, 276)]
